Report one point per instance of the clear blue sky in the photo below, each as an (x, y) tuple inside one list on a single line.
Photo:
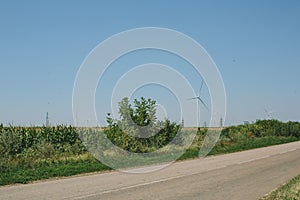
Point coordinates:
[(255, 44)]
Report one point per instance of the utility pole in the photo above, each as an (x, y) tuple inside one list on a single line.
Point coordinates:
[(221, 122), (47, 120)]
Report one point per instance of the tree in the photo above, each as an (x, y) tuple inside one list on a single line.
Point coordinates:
[(138, 129)]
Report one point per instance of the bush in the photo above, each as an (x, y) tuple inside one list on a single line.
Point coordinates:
[(262, 128), (138, 130)]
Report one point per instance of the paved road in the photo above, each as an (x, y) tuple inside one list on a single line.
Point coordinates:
[(243, 175)]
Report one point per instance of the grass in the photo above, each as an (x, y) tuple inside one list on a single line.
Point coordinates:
[(290, 191), (84, 163), (246, 144), (45, 172), (251, 144), (48, 168)]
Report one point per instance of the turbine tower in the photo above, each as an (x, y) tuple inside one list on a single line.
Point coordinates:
[(198, 97)]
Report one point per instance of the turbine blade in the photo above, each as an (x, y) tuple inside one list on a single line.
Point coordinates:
[(203, 103), (200, 88)]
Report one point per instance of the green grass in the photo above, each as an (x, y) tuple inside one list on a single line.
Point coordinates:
[(290, 191), (45, 172), (84, 163), (251, 144), (49, 168), (240, 146)]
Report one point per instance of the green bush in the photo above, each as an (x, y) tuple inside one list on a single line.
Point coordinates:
[(262, 128), (138, 130)]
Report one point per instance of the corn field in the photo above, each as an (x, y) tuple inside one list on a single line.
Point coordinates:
[(15, 140)]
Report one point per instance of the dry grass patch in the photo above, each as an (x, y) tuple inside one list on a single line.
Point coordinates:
[(290, 191)]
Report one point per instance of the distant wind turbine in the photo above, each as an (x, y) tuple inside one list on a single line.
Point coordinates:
[(198, 97), (268, 113)]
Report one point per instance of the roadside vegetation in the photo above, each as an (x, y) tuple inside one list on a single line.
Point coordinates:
[(290, 190), (138, 130), (34, 153)]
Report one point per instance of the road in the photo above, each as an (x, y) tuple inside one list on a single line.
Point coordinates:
[(243, 175)]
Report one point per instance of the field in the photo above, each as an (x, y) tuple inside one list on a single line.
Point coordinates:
[(33, 153)]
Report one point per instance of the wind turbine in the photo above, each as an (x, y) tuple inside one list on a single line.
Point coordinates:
[(198, 97), (268, 113)]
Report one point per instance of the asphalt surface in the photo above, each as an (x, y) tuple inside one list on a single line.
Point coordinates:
[(243, 175)]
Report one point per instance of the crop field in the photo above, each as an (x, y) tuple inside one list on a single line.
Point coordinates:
[(33, 153)]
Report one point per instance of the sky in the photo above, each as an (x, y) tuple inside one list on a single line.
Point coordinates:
[(255, 45)]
